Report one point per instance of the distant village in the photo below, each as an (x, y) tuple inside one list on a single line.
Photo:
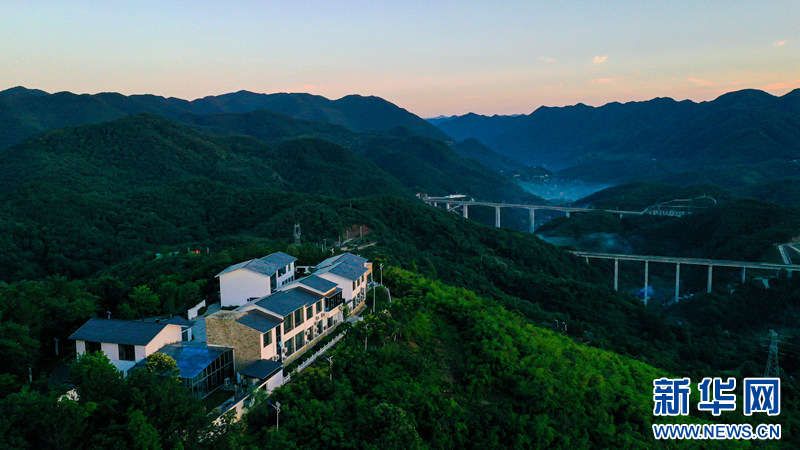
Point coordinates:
[(268, 316)]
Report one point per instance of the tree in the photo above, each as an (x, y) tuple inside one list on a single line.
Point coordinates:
[(162, 364), (143, 300)]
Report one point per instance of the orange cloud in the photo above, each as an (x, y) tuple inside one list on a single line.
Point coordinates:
[(780, 43), (700, 82), (601, 81), (600, 59), (781, 85)]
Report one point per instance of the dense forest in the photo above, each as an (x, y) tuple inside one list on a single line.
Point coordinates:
[(494, 337)]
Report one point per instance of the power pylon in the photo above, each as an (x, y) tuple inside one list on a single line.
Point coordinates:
[(772, 370)]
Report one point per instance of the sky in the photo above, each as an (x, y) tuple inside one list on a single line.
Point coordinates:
[(429, 57)]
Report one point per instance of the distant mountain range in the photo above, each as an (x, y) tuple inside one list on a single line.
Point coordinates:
[(644, 140), (27, 112)]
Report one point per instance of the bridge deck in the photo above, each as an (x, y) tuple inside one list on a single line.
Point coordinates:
[(689, 261)]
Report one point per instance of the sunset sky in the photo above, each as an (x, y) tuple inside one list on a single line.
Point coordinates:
[(431, 57)]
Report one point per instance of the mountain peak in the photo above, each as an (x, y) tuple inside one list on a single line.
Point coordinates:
[(22, 91)]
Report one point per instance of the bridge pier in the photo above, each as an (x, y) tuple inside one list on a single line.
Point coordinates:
[(497, 217), (465, 211), (616, 275), (532, 215), (567, 214), (646, 279), (677, 281), (708, 287), (744, 275)]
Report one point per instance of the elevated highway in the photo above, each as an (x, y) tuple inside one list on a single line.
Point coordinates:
[(710, 263)]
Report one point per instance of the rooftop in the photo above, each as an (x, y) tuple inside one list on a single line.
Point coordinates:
[(178, 320), (288, 301), (261, 369), (346, 265), (317, 283), (119, 331), (265, 266), (192, 357), (259, 321)]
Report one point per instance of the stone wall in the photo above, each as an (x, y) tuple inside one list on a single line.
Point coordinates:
[(223, 329)]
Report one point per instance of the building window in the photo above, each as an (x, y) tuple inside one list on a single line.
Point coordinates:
[(298, 317), (288, 323), (92, 347), (127, 352), (354, 285), (319, 306), (309, 312), (299, 340), (267, 338)]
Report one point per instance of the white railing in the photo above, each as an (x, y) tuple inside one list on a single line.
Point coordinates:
[(193, 312), (316, 355)]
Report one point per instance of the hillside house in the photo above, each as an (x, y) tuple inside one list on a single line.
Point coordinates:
[(266, 332), (125, 342), (255, 278), (351, 273)]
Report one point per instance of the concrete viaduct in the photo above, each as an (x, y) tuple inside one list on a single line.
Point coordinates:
[(711, 263), (453, 203)]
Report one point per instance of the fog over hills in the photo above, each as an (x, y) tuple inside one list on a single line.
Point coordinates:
[(638, 140)]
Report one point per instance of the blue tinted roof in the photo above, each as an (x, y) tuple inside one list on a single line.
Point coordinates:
[(346, 265), (130, 332), (262, 369), (286, 302), (193, 357), (259, 321), (265, 266), (318, 283)]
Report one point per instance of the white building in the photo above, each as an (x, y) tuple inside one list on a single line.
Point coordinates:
[(266, 332), (125, 342), (256, 278), (350, 272)]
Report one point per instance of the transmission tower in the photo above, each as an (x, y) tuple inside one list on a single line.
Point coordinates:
[(297, 233), (772, 370)]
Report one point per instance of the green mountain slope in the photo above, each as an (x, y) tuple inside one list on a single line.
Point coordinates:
[(25, 113)]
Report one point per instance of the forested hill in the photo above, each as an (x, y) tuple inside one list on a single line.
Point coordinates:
[(27, 112), (142, 181), (640, 140)]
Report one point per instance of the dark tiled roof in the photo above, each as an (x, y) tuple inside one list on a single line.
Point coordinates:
[(261, 369), (348, 271), (118, 331), (346, 265), (344, 257), (286, 302), (178, 320), (192, 357), (315, 282), (259, 321), (265, 266)]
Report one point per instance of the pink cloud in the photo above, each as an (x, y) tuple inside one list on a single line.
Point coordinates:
[(700, 82), (600, 59), (781, 85), (780, 43), (601, 81)]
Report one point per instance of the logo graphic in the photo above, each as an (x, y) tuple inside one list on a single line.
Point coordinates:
[(671, 396), (762, 395), (721, 402)]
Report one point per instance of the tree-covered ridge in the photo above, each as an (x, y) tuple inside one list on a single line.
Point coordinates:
[(625, 142), (26, 113), (444, 368)]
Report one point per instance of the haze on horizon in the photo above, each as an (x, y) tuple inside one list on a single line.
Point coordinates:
[(430, 58)]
